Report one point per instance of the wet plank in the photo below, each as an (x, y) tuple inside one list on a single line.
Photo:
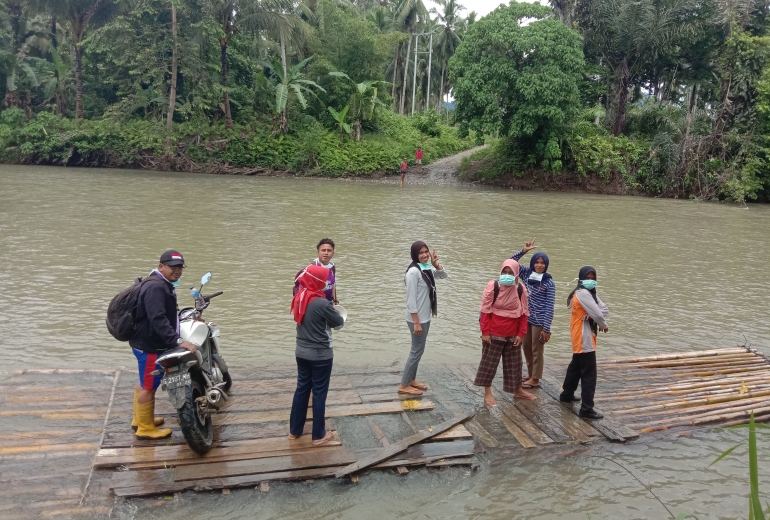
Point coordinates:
[(481, 434), (512, 428), (283, 385), (522, 421), (163, 485), (540, 416), (400, 446), (459, 432), (331, 411), (421, 454), (113, 457), (335, 457)]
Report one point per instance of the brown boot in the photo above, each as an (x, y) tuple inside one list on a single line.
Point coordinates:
[(145, 414), (135, 422)]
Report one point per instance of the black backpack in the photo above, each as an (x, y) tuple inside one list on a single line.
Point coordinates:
[(121, 312)]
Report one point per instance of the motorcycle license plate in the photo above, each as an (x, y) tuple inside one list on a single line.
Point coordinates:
[(177, 380)]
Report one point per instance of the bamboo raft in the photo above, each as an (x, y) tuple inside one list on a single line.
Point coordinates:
[(714, 387), (65, 436)]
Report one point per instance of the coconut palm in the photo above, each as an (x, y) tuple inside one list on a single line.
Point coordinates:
[(629, 35), (408, 14), (78, 16), (233, 16), (447, 39)]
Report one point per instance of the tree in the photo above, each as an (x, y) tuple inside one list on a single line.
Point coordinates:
[(408, 14), (290, 82), (78, 15), (448, 39), (630, 35), (518, 80), (233, 16), (15, 59), (362, 101)]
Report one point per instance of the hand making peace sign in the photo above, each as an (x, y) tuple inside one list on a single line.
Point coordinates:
[(529, 245)]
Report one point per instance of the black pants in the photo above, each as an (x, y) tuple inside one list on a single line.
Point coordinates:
[(581, 369), (315, 376)]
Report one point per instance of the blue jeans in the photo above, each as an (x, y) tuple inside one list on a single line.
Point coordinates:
[(415, 354), (315, 376)]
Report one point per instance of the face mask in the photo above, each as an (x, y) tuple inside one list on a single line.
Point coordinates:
[(177, 283), (537, 277), (589, 284), (425, 267), (507, 279)]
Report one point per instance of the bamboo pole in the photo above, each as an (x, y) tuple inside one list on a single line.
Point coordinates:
[(694, 421), (760, 419), (682, 355), (680, 403), (696, 383), (699, 409), (703, 387), (706, 373), (683, 365)]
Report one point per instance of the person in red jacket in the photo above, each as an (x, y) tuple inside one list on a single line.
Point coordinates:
[(418, 155), (503, 322)]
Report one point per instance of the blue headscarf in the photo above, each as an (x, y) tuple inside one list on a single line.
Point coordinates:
[(532, 261)]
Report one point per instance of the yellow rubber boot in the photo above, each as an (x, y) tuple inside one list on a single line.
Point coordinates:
[(135, 421), (145, 414)]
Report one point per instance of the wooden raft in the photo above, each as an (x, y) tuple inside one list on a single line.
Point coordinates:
[(719, 387)]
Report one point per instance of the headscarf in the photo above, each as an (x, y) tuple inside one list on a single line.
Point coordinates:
[(426, 275), (582, 276), (312, 282), (508, 303), (532, 261)]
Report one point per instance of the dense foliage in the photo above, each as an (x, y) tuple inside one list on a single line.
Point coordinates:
[(208, 84), (672, 98)]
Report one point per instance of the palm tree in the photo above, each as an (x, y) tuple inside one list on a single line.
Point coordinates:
[(291, 81), (232, 16), (447, 39), (16, 62), (629, 35), (78, 15), (363, 100), (408, 15)]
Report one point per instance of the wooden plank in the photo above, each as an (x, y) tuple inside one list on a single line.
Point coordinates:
[(459, 432), (336, 457), (519, 435), (520, 420), (536, 413), (363, 381), (331, 411), (168, 485), (420, 454), (113, 457), (606, 427), (478, 431), (383, 440), (400, 446), (459, 461), (283, 385)]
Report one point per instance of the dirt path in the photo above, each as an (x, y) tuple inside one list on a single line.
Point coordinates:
[(443, 171)]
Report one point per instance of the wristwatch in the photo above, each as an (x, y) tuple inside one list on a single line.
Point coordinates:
[(179, 341)]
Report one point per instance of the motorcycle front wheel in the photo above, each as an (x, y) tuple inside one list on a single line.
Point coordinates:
[(196, 426)]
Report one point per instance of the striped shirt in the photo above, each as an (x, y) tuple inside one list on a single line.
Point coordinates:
[(542, 296)]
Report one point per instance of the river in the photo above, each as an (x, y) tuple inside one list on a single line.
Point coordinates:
[(677, 276)]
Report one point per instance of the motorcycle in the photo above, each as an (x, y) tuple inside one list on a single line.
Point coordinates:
[(197, 383)]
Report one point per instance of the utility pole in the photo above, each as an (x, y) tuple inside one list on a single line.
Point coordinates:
[(430, 58), (414, 79)]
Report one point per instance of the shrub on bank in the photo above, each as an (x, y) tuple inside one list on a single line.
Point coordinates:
[(309, 148)]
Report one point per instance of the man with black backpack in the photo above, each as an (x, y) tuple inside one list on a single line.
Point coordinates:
[(156, 325)]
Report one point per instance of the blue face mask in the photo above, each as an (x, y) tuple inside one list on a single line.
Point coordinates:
[(177, 283), (589, 284), (425, 267), (507, 279)]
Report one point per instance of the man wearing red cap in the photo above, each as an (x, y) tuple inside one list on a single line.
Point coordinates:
[(157, 331)]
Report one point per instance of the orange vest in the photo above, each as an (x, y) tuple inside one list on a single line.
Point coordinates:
[(583, 338)]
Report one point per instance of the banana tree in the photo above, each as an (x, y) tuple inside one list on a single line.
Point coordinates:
[(340, 117), (363, 100), (292, 81)]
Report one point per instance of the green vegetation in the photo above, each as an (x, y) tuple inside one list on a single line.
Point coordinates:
[(668, 98), (314, 87)]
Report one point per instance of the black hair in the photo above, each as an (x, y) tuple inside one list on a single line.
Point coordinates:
[(325, 241)]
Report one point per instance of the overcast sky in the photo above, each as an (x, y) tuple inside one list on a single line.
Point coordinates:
[(481, 7)]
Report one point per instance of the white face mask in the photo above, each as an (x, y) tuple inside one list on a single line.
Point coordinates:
[(538, 277)]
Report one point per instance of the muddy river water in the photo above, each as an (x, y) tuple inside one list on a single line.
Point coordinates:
[(677, 276)]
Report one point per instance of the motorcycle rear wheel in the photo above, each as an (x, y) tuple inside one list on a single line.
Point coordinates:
[(228, 381), (196, 428)]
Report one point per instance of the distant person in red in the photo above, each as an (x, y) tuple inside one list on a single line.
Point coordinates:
[(403, 170), (418, 155)]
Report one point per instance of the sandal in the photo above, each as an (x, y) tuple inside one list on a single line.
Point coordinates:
[(419, 386), (327, 438), (409, 390), (529, 385)]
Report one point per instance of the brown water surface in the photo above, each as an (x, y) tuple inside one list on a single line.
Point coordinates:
[(677, 276)]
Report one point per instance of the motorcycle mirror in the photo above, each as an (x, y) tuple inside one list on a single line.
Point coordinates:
[(206, 278)]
